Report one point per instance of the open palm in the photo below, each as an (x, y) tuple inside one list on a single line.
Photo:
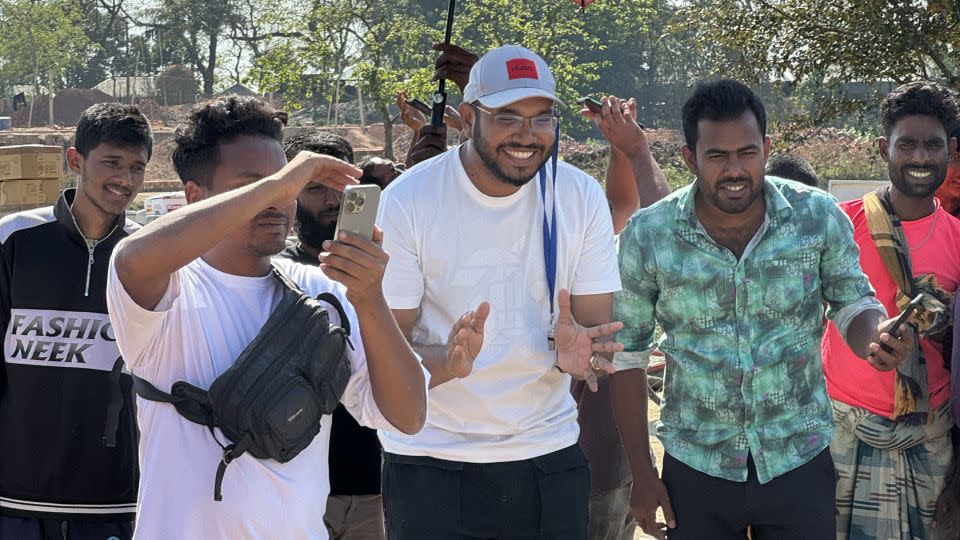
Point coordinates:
[(576, 346), (466, 340)]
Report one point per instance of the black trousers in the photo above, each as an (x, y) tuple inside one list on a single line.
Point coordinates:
[(798, 505), (541, 498), (16, 528)]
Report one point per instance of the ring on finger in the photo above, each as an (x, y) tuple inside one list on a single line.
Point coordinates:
[(593, 362)]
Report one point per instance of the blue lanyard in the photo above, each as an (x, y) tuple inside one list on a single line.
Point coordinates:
[(550, 225)]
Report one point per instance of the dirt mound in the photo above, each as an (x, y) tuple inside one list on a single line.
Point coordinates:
[(68, 105), (177, 85)]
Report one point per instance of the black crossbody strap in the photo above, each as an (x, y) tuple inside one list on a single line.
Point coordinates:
[(150, 392), (191, 402), (329, 298), (112, 423), (230, 453), (284, 279)]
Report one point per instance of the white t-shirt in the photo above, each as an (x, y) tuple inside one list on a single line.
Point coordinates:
[(452, 247), (204, 321)]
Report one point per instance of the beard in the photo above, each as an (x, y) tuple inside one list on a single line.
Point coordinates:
[(311, 231), (735, 206), (900, 180), (489, 158)]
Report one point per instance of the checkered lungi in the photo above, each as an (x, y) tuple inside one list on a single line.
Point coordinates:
[(890, 474)]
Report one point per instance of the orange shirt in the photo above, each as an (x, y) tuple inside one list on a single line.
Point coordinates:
[(949, 192), (934, 243)]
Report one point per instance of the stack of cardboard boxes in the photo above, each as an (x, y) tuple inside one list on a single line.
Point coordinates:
[(31, 175)]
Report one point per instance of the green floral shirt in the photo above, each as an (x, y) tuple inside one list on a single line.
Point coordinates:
[(741, 337)]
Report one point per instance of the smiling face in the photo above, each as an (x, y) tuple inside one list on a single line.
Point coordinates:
[(110, 176), (512, 155), (729, 162), (917, 152)]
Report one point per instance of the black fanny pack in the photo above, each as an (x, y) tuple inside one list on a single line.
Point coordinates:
[(269, 402)]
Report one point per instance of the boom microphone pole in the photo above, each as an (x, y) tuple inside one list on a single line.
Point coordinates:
[(440, 97)]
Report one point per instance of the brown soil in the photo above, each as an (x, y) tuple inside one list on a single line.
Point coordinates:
[(68, 104)]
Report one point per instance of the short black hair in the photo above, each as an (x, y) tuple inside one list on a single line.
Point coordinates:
[(724, 99), (367, 166), (320, 142), (925, 98), (793, 167), (114, 123), (198, 139)]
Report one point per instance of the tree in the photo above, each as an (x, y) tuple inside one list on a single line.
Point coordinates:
[(108, 31), (198, 27), (381, 46), (298, 53), (551, 28), (395, 55), (40, 41), (824, 45)]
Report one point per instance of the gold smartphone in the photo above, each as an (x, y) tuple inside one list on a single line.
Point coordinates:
[(358, 210)]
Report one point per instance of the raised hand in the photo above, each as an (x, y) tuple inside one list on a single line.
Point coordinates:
[(466, 340), (451, 117), (413, 118), (617, 120), (577, 352), (431, 142), (453, 64), (308, 167)]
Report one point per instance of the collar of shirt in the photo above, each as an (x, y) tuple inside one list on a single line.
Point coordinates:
[(741, 336)]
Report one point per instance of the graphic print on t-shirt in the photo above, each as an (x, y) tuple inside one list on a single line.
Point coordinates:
[(56, 338)]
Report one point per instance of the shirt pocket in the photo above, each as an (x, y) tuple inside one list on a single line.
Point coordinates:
[(788, 283)]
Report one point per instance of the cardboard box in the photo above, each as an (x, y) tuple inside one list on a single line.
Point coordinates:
[(28, 193), (31, 161)]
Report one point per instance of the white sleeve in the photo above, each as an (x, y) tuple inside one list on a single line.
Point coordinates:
[(403, 281), (596, 270), (137, 328), (358, 396)]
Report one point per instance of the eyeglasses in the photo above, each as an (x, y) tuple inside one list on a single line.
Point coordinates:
[(545, 123)]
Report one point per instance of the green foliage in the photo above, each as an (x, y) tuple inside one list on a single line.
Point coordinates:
[(313, 39), (372, 42), (40, 38), (834, 49), (396, 53), (549, 28), (199, 28), (648, 57)]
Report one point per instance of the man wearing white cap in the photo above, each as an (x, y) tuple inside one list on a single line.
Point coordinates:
[(502, 274)]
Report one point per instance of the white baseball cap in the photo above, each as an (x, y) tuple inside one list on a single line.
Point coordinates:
[(508, 74)]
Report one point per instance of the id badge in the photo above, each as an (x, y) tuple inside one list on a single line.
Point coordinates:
[(552, 335)]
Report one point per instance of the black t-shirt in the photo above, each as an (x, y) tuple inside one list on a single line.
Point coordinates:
[(355, 452)]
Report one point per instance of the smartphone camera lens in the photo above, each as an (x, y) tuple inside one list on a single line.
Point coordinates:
[(360, 201), (351, 208)]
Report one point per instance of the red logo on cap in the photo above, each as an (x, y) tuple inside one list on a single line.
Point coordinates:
[(521, 68)]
